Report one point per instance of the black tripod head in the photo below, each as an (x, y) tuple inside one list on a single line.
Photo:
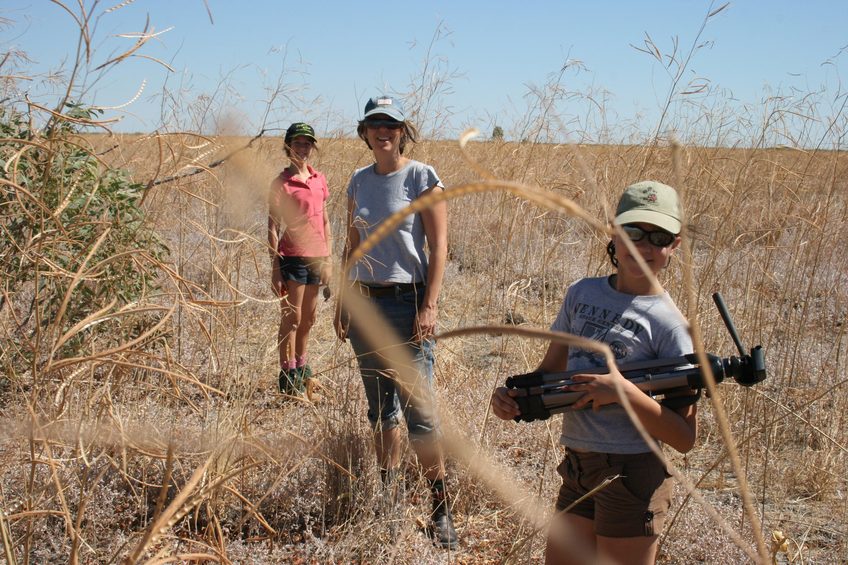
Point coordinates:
[(749, 369)]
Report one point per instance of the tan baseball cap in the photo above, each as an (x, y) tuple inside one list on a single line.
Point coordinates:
[(650, 202)]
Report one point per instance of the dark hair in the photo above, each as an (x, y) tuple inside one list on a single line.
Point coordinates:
[(611, 254), (408, 133)]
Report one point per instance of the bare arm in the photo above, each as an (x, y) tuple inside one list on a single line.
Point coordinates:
[(352, 236), (555, 359), (273, 236), (274, 241), (274, 219), (435, 221), (326, 269), (341, 320)]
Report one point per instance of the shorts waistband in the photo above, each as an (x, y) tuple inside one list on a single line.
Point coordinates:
[(609, 458)]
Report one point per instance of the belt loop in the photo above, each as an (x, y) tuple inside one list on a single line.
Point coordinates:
[(362, 289)]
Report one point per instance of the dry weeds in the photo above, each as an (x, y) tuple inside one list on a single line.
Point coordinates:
[(174, 446), (182, 447)]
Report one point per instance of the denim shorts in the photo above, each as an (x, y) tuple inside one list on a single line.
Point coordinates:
[(387, 400), (305, 270), (633, 505)]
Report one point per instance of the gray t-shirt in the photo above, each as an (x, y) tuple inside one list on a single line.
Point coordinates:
[(636, 328), (400, 256)]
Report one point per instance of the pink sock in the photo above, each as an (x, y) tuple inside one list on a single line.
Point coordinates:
[(290, 364), (300, 360)]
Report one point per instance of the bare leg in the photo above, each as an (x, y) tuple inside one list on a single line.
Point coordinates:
[(308, 309), (564, 549), (431, 458), (637, 550), (387, 446), (289, 321)]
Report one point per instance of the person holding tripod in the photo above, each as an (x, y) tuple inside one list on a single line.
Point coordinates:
[(639, 322)]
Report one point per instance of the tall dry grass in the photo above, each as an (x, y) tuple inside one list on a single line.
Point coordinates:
[(176, 447), (187, 449)]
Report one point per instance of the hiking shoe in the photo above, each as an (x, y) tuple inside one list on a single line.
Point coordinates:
[(296, 378), (283, 380), (291, 382), (442, 530)]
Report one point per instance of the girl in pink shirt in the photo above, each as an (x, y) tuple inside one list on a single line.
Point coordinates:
[(299, 240)]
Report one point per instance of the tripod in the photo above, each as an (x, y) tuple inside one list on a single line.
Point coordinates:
[(542, 394)]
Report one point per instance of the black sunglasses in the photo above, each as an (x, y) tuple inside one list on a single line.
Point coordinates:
[(390, 124), (657, 238)]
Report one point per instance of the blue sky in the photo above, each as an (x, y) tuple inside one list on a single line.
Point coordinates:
[(484, 58)]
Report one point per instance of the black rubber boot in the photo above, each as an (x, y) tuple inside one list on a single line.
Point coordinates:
[(441, 524), (291, 381)]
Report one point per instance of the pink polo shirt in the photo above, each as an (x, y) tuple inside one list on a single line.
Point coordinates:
[(299, 206)]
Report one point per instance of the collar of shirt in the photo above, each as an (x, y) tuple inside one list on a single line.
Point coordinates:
[(287, 175)]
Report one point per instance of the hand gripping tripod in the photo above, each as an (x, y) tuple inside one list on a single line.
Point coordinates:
[(543, 394)]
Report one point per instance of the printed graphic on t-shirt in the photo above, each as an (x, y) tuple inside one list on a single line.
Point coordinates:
[(607, 326), (619, 350)]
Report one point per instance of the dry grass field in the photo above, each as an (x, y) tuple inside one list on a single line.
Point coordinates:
[(171, 444)]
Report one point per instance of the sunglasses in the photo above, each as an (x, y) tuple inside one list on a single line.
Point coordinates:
[(390, 124), (657, 238)]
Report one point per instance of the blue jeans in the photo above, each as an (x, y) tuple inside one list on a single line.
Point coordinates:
[(387, 399)]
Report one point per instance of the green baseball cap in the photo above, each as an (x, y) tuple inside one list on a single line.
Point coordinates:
[(300, 129), (650, 202)]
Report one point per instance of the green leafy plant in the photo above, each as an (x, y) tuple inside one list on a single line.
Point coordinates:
[(73, 233)]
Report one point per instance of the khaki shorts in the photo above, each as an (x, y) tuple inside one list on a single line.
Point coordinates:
[(633, 505)]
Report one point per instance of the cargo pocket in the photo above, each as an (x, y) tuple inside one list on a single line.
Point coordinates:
[(570, 489)]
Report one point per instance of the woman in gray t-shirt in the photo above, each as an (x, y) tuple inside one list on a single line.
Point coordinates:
[(401, 276)]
